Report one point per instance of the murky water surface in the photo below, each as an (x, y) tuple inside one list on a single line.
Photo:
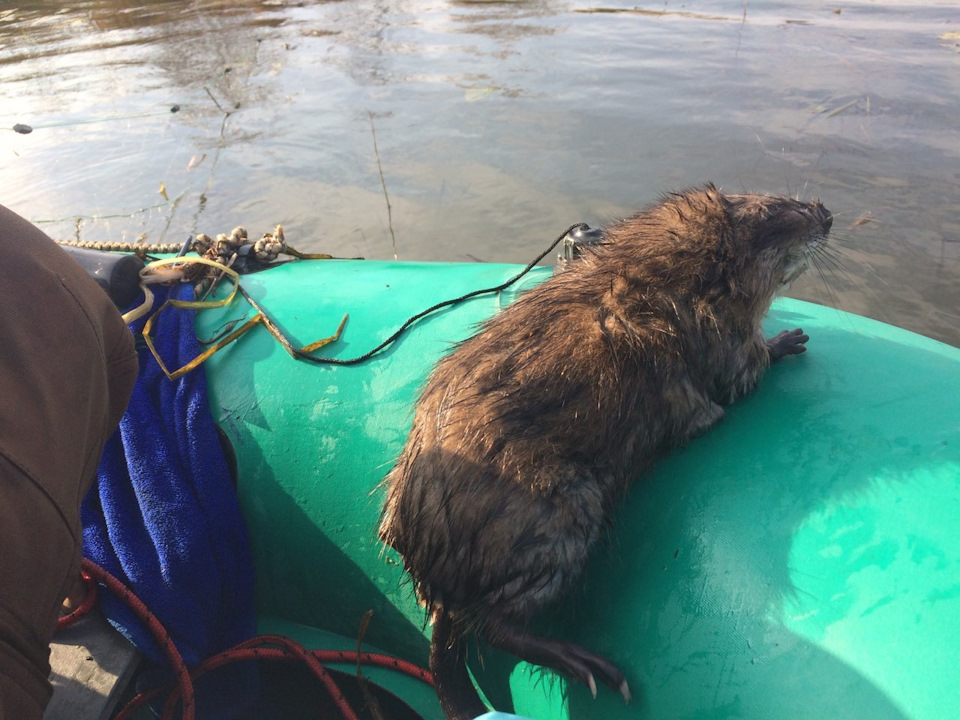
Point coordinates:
[(498, 124)]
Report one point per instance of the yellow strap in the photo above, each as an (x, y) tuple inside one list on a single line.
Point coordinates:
[(323, 341), (199, 304), (307, 256), (142, 309), (259, 318), (202, 357), (282, 339)]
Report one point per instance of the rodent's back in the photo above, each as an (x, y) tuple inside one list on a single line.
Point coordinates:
[(523, 440)]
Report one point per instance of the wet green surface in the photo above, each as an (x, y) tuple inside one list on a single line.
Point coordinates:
[(798, 561)]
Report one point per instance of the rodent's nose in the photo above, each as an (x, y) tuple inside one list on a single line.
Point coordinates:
[(825, 216)]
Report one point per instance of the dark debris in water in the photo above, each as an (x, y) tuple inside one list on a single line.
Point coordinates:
[(655, 13), (22, 129)]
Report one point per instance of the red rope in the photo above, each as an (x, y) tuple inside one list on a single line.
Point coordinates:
[(156, 628), (290, 649), (252, 649), (86, 606)]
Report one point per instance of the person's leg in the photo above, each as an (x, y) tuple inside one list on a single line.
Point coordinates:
[(67, 367), (39, 556)]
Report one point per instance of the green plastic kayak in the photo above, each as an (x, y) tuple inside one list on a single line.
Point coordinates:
[(800, 560)]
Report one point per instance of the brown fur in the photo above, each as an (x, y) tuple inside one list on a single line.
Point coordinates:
[(528, 435)]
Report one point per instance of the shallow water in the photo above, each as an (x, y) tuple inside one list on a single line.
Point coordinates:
[(498, 124)]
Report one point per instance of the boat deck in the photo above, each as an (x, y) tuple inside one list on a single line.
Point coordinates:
[(91, 666)]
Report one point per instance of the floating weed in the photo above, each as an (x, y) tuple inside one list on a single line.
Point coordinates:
[(657, 13)]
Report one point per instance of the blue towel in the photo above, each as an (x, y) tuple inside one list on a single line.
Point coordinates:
[(164, 514)]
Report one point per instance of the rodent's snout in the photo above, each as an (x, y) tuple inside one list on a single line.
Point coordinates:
[(823, 215)]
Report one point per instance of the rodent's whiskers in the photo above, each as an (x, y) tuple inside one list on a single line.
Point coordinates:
[(820, 257), (841, 248), (832, 260)]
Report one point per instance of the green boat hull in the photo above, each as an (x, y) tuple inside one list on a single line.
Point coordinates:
[(798, 561)]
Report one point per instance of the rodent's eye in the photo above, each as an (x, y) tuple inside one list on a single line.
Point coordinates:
[(773, 222), (762, 221), (780, 227)]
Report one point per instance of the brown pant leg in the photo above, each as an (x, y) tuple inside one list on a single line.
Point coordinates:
[(39, 553), (67, 367)]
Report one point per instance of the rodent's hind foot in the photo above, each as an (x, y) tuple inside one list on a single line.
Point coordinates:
[(788, 342), (567, 658)]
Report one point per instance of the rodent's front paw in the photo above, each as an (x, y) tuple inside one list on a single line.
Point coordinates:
[(788, 342)]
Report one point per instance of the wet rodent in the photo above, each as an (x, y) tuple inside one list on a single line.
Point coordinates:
[(529, 433)]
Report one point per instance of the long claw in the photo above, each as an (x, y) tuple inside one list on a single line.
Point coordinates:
[(565, 657)]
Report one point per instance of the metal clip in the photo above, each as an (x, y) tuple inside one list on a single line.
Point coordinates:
[(574, 241)]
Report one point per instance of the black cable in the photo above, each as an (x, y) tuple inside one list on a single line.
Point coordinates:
[(438, 306)]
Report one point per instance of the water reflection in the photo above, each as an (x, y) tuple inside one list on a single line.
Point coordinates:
[(498, 124)]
